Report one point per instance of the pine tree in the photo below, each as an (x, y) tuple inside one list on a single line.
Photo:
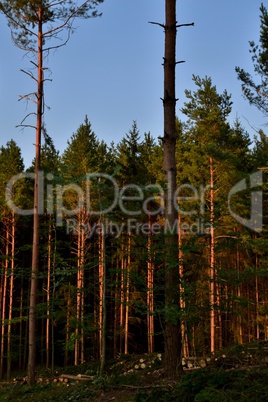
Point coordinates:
[(207, 112), (33, 24), (256, 92), (11, 163)]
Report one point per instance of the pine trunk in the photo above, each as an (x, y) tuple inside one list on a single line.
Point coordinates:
[(48, 292), (35, 251), (127, 298), (150, 297), (103, 302), (4, 302), (172, 333), (212, 261), (11, 286)]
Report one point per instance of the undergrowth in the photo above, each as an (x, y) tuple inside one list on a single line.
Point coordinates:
[(229, 378), (214, 385)]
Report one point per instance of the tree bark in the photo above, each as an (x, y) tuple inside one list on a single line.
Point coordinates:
[(150, 295), (49, 256), (103, 300), (35, 251), (127, 296), (172, 334), (212, 261), (4, 301), (11, 288)]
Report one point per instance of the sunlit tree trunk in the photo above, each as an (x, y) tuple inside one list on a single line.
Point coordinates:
[(101, 285), (122, 297), (184, 336), (116, 309), (78, 296), (219, 316), (212, 261), (102, 300), (127, 297), (4, 301), (48, 319), (68, 324), (257, 297), (150, 296), (82, 309), (21, 326), (239, 329), (11, 286)]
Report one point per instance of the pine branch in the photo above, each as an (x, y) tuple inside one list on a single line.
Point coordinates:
[(185, 25), (157, 23)]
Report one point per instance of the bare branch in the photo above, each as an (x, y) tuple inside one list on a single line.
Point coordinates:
[(28, 98), (185, 25), (57, 3), (34, 63), (25, 126), (28, 73), (157, 23), (253, 128), (21, 123), (58, 46)]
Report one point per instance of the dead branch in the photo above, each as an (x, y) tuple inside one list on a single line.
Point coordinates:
[(25, 126), (157, 23), (29, 114), (29, 73), (185, 25), (26, 97)]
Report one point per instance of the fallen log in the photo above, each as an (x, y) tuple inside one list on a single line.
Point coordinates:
[(79, 377)]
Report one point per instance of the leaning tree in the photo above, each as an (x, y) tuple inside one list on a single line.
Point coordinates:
[(37, 27)]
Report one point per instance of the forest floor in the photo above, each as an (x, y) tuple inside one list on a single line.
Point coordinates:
[(238, 374)]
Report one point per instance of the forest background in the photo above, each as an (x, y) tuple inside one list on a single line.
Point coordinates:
[(223, 284)]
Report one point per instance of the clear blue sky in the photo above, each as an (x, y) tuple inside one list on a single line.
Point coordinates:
[(111, 69)]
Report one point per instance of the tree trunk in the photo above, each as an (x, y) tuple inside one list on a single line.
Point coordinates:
[(103, 301), (150, 296), (122, 297), (49, 256), (184, 336), (172, 333), (127, 297), (21, 326), (101, 285), (35, 251), (82, 310), (116, 308), (4, 302), (78, 296), (11, 285), (68, 324), (212, 261)]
